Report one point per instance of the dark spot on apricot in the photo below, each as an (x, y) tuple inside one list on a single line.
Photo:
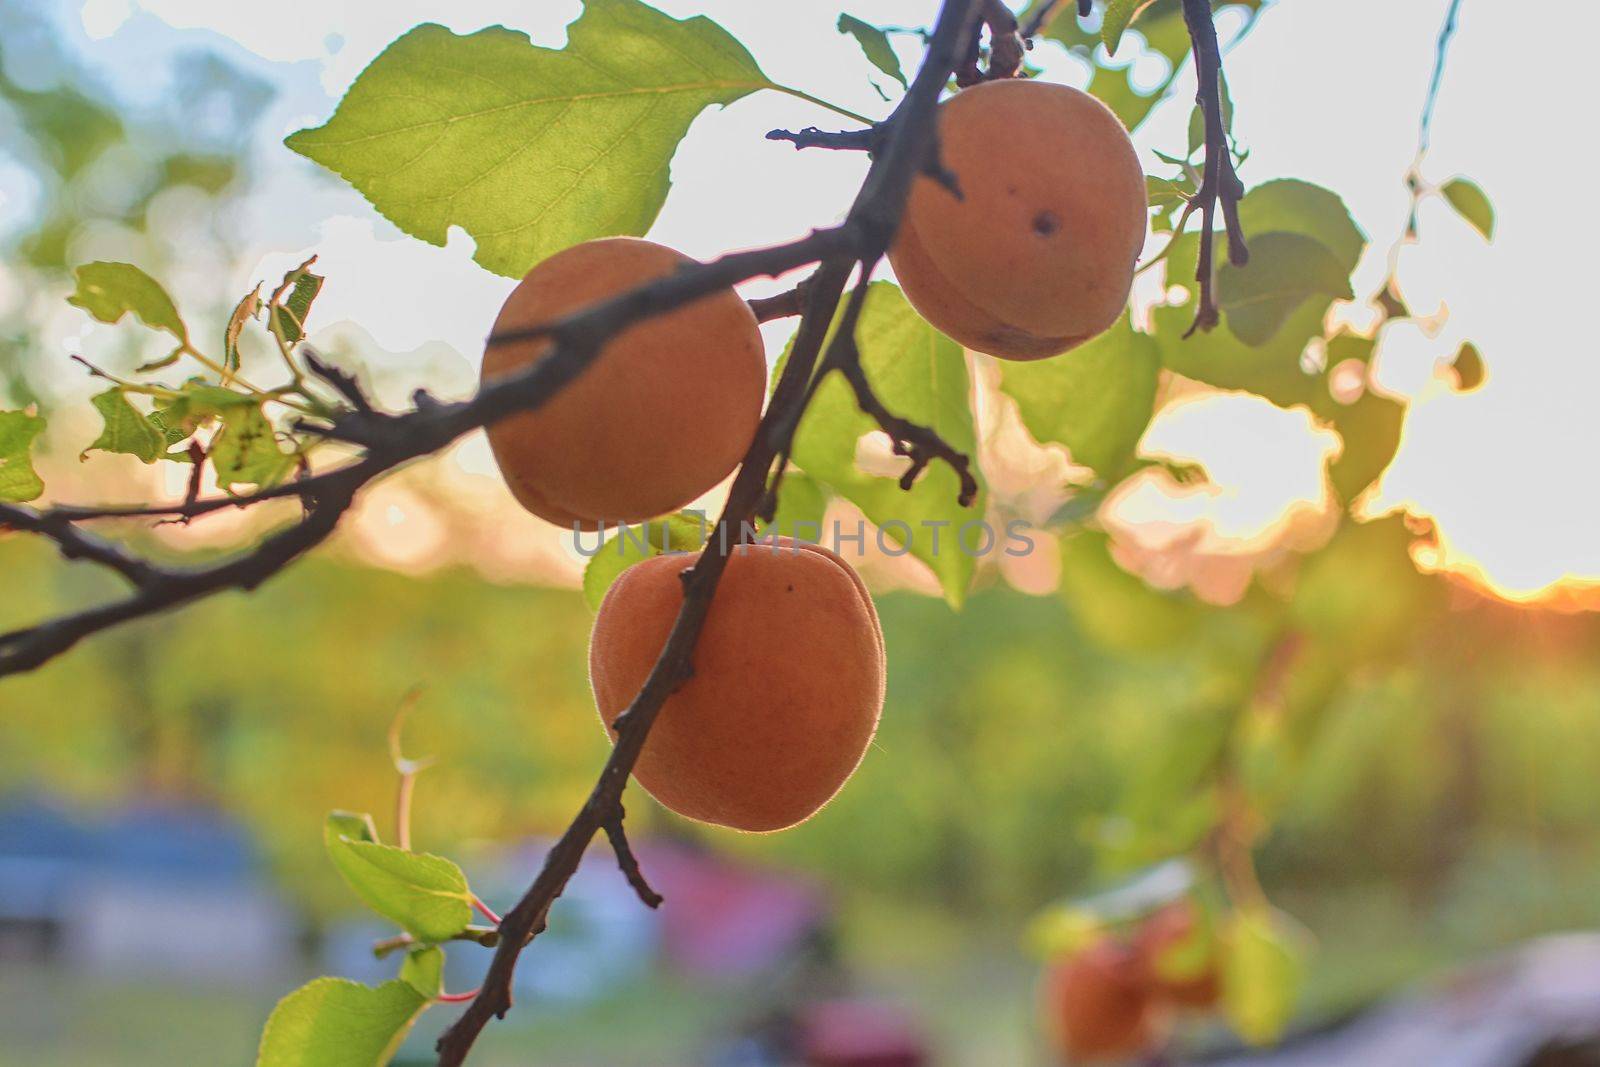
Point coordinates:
[(1046, 223)]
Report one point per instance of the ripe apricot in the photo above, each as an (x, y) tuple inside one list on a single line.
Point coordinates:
[(1097, 1004), (786, 692), (664, 413), (1037, 254), (1172, 936)]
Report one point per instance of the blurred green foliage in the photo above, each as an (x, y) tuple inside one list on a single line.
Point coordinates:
[(1014, 745)]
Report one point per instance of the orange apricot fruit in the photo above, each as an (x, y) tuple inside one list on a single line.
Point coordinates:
[(1037, 254), (663, 413), (1097, 1005), (787, 687), (1172, 935)]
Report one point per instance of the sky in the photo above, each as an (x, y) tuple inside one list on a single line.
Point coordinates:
[(1324, 90)]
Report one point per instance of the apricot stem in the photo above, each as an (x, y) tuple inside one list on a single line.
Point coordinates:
[(801, 94), (1220, 187)]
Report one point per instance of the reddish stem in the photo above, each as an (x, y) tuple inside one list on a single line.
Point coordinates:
[(485, 910)]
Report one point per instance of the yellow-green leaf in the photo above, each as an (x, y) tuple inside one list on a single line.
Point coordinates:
[(246, 450), (530, 149), (1262, 968), (423, 970), (875, 43), (334, 1022), (425, 895), (127, 430), (109, 291), (18, 480), (1471, 203), (683, 532), (1096, 399)]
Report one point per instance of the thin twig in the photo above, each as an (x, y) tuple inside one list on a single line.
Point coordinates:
[(1041, 16), (1388, 299), (782, 305), (843, 140), (628, 861), (76, 544), (921, 444), (389, 442), (487, 936), (1220, 187)]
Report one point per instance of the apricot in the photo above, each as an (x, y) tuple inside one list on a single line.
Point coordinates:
[(1037, 254), (787, 688), (664, 412), (1176, 931), (1097, 1004)]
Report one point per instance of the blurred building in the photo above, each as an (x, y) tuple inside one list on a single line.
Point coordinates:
[(157, 890)]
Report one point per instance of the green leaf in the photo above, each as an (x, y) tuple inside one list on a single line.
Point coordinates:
[(127, 429), (197, 404), (801, 506), (1220, 359), (1262, 968), (875, 43), (683, 532), (1370, 429), (1113, 86), (423, 970), (245, 310), (920, 375), (1118, 14), (1468, 363), (1271, 369), (1471, 203), (289, 312), (18, 480), (425, 895), (530, 149), (334, 1022), (1301, 207), (1285, 270), (110, 290), (246, 451), (1096, 399)]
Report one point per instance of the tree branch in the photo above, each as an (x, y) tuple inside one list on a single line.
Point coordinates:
[(1220, 187), (876, 212), (1006, 47), (628, 861), (1041, 15), (781, 305), (906, 148), (160, 588), (844, 140), (389, 441)]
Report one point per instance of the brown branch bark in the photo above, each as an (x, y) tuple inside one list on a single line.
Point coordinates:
[(1220, 187), (875, 213), (907, 148), (389, 441), (1006, 47), (627, 861), (843, 140)]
